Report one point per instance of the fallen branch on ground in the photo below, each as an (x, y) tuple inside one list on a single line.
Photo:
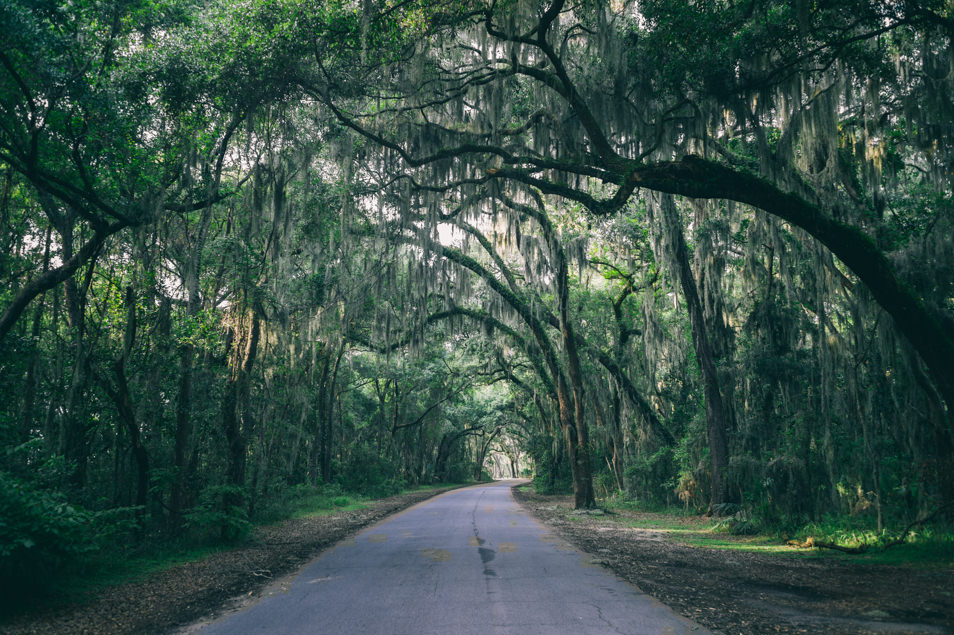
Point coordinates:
[(812, 543)]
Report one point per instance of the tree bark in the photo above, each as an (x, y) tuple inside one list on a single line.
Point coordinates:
[(316, 459), (75, 428), (715, 408), (235, 412), (30, 382), (327, 432), (183, 450), (180, 500), (572, 405)]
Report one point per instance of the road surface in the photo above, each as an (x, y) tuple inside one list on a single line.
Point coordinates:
[(468, 561)]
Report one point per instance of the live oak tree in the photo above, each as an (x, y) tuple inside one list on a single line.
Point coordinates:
[(251, 251), (795, 111)]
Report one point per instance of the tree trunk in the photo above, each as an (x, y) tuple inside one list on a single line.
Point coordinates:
[(183, 435), (327, 432), (235, 413), (184, 451), (575, 423), (52, 277), (715, 410), (316, 458), (440, 463), (701, 178), (30, 382), (124, 406), (482, 454), (75, 444)]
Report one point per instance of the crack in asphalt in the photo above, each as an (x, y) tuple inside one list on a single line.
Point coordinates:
[(486, 555), (599, 615)]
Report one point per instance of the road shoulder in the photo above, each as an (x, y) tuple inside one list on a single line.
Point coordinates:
[(742, 592)]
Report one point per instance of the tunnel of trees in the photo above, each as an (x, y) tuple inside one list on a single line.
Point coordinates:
[(690, 253)]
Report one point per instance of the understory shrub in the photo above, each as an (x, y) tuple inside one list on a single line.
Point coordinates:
[(368, 474), (222, 509), (41, 533)]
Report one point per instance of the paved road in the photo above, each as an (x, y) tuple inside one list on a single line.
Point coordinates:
[(469, 561)]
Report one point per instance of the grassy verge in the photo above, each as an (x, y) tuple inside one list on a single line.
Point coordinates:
[(325, 505), (929, 547)]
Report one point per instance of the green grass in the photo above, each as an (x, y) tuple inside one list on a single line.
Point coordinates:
[(326, 505), (930, 547), (429, 487)]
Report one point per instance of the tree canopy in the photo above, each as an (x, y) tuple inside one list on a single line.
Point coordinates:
[(684, 252)]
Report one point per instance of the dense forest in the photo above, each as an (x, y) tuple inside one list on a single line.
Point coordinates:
[(687, 253)]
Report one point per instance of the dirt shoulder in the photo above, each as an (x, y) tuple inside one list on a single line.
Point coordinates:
[(187, 592), (743, 592)]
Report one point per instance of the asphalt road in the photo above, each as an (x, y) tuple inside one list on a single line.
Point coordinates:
[(469, 561)]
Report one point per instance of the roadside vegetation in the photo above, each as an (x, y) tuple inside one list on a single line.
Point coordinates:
[(79, 576), (840, 538), (261, 258)]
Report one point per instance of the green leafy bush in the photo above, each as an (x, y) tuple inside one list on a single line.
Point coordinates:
[(368, 474), (221, 508), (40, 532)]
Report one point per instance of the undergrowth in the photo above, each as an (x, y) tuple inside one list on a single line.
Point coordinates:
[(71, 576), (738, 528)]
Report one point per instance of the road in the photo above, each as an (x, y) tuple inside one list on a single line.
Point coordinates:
[(468, 561)]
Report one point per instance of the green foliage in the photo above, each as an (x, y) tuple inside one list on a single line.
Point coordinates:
[(38, 529), (221, 509), (369, 474), (648, 477), (931, 544), (43, 535), (311, 500), (551, 479), (206, 129)]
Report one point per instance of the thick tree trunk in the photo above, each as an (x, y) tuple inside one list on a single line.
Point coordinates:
[(316, 457), (576, 426), (715, 409), (327, 432), (181, 499), (440, 462), (235, 415), (183, 435), (583, 497), (185, 456), (75, 444)]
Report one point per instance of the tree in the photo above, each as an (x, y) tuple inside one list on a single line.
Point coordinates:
[(624, 107)]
